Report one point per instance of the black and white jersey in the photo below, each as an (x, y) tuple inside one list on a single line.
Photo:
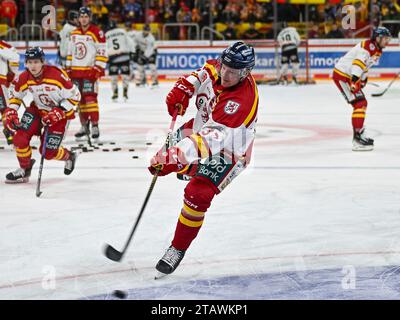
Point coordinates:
[(288, 39), (147, 45), (119, 45)]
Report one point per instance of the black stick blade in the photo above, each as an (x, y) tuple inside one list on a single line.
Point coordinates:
[(112, 253), (377, 94), (38, 193)]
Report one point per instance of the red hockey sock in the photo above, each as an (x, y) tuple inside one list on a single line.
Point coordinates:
[(198, 196), (357, 119)]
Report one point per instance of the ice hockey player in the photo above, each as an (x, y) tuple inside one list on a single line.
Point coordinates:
[(54, 97), (146, 55), (289, 41), (9, 63), (65, 33), (86, 62), (351, 75), (120, 48), (216, 145)]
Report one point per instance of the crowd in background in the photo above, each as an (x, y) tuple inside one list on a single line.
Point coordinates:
[(326, 17)]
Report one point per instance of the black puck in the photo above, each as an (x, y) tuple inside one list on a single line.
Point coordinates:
[(148, 143), (131, 150), (135, 157), (120, 294)]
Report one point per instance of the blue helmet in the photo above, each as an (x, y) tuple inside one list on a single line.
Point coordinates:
[(85, 10), (380, 32), (34, 53), (239, 56)]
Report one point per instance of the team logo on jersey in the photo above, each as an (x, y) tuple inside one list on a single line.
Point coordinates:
[(80, 50), (231, 107), (44, 99), (371, 46)]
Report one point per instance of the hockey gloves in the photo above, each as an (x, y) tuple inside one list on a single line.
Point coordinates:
[(165, 162), (53, 116), (11, 120), (178, 97), (356, 84)]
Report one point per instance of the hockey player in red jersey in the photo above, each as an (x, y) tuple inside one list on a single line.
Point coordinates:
[(214, 147), (351, 75), (86, 61), (9, 63), (54, 97)]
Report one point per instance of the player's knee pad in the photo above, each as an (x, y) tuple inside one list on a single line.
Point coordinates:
[(21, 139), (284, 68), (199, 194), (361, 103)]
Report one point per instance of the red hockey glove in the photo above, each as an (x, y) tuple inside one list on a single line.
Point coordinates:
[(11, 120), (97, 72), (355, 86), (364, 83), (165, 162), (178, 97), (52, 117), (10, 76)]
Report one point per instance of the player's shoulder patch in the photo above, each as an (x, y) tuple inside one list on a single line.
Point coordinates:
[(231, 107)]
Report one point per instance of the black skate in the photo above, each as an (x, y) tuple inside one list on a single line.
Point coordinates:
[(169, 262), (154, 84), (83, 132), (361, 142), (114, 97), (70, 163), (295, 80), (20, 175), (125, 94), (95, 131)]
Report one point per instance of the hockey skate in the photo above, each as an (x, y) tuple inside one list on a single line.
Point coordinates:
[(114, 97), (70, 163), (125, 94), (95, 131), (169, 262), (20, 175), (361, 142), (154, 84), (83, 133)]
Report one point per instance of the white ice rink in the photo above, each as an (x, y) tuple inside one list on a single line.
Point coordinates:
[(309, 219)]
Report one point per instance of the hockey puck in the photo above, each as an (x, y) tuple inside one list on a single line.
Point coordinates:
[(100, 144), (1, 148), (120, 294), (131, 150), (112, 143), (106, 150), (148, 143), (80, 145), (116, 149), (135, 157)]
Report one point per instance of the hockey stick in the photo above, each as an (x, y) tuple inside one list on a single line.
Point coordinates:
[(387, 88), (109, 251), (38, 192)]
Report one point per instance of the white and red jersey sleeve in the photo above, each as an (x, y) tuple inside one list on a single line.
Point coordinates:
[(359, 60), (54, 88), (226, 117), (9, 61), (86, 50)]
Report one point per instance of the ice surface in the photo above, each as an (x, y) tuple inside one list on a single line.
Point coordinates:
[(309, 218)]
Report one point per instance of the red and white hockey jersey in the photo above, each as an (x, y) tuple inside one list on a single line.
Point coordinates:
[(53, 89), (226, 117), (9, 61), (86, 50), (359, 60)]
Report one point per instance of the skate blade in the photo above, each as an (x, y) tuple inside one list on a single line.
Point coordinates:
[(22, 180), (363, 148), (79, 139), (159, 275)]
